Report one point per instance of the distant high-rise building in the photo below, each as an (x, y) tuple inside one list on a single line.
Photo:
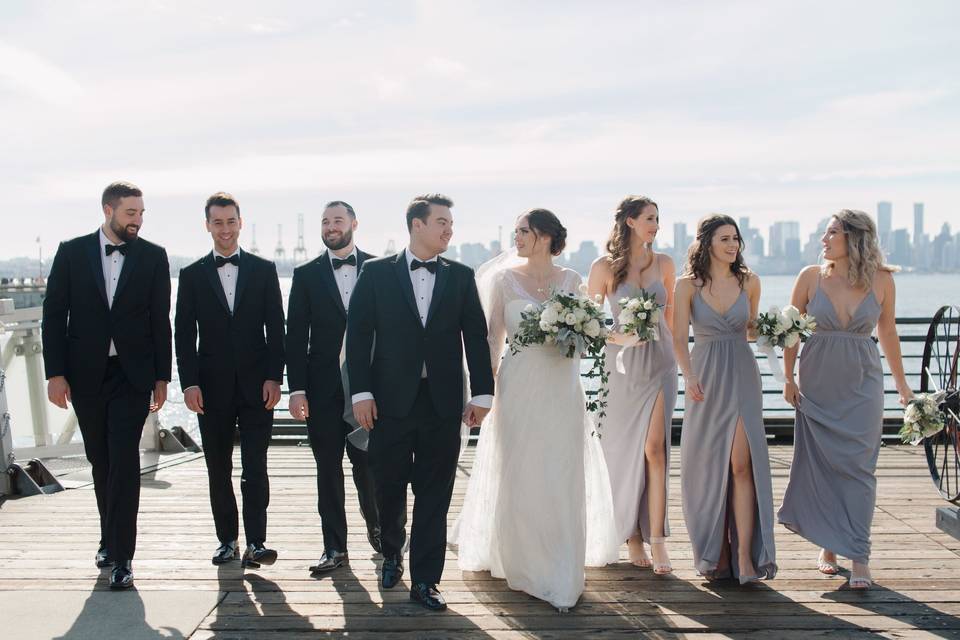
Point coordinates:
[(780, 234), (917, 223), (752, 240), (884, 222), (680, 238), (900, 247)]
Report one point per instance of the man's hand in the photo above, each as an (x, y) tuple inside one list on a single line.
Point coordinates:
[(271, 394), (58, 391), (299, 407), (365, 413), (193, 399), (474, 415), (159, 396)]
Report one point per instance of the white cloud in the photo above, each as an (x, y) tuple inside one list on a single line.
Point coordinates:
[(29, 73)]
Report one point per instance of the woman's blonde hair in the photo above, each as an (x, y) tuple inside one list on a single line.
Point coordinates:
[(863, 248)]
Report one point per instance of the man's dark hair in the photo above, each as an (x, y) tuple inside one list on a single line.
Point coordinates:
[(341, 203), (420, 207), (220, 199), (120, 189)]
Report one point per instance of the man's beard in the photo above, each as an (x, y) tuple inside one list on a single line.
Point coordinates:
[(122, 233), (345, 241)]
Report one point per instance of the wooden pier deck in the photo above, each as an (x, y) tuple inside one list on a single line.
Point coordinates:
[(50, 588)]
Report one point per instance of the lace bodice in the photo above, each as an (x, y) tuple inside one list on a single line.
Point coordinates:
[(512, 292)]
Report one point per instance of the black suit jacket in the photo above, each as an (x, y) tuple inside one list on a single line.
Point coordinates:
[(383, 305), (78, 324), (244, 347), (316, 322)]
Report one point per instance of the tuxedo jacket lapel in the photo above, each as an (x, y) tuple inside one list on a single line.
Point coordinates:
[(129, 264), (328, 277), (96, 263), (403, 275), (243, 276), (210, 268), (439, 284)]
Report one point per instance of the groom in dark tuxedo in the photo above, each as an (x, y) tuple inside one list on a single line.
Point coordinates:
[(231, 299), (316, 323), (106, 348), (418, 312)]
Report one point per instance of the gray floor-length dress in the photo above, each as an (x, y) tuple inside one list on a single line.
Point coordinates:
[(832, 488), (727, 369), (651, 370)]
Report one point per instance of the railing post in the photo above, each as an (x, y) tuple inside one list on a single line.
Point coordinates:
[(31, 349), (6, 440)]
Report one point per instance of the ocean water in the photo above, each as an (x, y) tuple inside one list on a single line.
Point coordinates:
[(918, 295)]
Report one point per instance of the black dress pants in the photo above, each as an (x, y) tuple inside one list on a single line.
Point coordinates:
[(420, 449), (111, 423), (328, 439), (217, 428)]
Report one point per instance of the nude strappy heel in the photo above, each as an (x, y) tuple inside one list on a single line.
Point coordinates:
[(660, 568)]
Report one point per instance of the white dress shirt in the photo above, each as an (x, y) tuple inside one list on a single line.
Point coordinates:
[(345, 276), (112, 266), (346, 279), (228, 277), (423, 281)]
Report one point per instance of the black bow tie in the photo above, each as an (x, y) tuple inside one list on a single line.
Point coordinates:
[(430, 266), (234, 260), (110, 248), (350, 260)]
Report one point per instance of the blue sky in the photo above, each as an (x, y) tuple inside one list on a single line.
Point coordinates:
[(771, 110)]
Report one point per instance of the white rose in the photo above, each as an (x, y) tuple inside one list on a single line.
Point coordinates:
[(570, 319), (792, 340), (581, 314), (549, 315), (655, 316), (592, 328), (545, 326), (530, 307), (791, 313), (642, 315), (633, 304), (625, 317), (557, 308), (648, 305)]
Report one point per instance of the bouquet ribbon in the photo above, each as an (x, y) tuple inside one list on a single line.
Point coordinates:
[(629, 342), (773, 361)]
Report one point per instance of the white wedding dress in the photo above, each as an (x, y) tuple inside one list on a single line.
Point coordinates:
[(538, 506)]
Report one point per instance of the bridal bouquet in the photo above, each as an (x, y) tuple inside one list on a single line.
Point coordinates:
[(575, 324), (639, 319), (782, 328), (923, 418)]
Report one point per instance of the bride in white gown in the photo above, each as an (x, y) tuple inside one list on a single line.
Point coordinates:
[(538, 506)]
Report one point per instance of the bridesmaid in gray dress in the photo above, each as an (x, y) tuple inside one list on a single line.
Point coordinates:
[(723, 448), (636, 429), (832, 489)]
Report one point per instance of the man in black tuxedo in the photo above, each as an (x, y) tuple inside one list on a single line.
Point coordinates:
[(418, 312), (106, 348), (316, 322), (232, 380)]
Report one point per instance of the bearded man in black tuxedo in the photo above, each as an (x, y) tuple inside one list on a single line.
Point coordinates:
[(418, 312), (106, 348), (231, 300), (316, 323)]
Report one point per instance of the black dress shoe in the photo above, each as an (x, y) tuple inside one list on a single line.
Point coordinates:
[(122, 576), (256, 555), (330, 560), (373, 536), (390, 572), (226, 552), (428, 596), (103, 558)]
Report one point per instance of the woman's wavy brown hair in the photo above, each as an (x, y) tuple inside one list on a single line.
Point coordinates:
[(863, 249), (698, 255), (618, 244)]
